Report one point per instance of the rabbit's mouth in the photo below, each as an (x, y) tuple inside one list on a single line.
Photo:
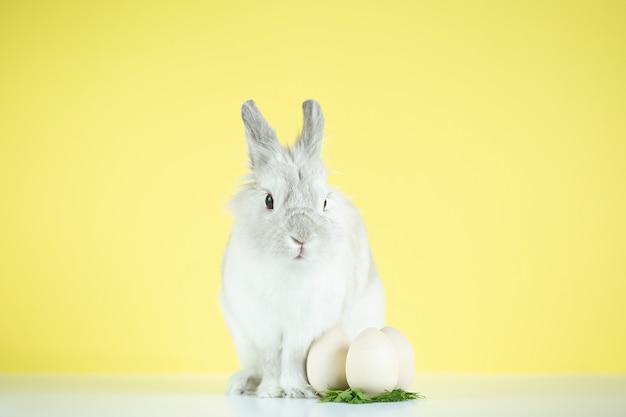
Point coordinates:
[(300, 248)]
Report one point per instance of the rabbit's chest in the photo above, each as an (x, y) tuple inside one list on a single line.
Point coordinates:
[(287, 295)]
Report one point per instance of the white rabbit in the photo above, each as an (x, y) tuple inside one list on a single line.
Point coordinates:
[(297, 263)]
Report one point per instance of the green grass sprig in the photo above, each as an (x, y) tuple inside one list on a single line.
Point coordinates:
[(357, 396)]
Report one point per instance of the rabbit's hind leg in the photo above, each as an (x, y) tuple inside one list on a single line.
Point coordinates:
[(243, 382)]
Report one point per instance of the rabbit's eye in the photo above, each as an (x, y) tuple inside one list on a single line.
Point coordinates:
[(269, 201), (325, 201)]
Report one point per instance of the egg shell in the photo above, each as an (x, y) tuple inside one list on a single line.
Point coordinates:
[(326, 360), (406, 357), (372, 363)]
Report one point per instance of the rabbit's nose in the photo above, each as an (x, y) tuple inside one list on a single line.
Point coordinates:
[(300, 238), (300, 226)]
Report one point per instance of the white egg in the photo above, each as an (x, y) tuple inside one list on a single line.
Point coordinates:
[(406, 358), (372, 363), (326, 360)]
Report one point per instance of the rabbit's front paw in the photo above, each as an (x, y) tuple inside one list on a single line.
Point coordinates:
[(269, 390), (300, 391)]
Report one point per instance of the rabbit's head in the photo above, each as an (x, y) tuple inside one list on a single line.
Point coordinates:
[(286, 208)]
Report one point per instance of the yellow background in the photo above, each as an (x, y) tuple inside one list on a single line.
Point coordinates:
[(484, 142)]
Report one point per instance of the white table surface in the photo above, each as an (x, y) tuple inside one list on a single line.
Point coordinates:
[(447, 395)]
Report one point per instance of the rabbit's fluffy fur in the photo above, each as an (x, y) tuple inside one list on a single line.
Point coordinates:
[(297, 263)]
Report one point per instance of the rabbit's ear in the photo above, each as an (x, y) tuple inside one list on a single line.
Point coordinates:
[(312, 129), (263, 144)]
